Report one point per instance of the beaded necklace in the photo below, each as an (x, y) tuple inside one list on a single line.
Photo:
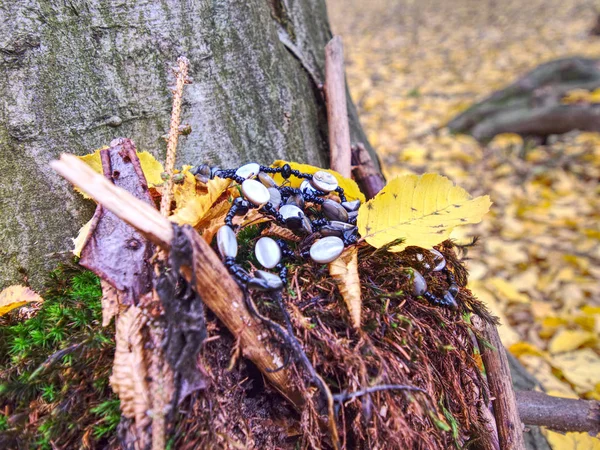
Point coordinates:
[(335, 222)]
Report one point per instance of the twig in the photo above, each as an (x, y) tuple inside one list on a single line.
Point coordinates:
[(337, 109), (366, 174), (510, 429), (560, 414), (136, 213), (182, 79), (342, 397)]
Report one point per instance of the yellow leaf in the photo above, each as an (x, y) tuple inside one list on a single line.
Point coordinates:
[(191, 207), (525, 348), (578, 441), (350, 187), (152, 169), (506, 290), (422, 210), (543, 372), (581, 368), (344, 271), (81, 238), (508, 335), (16, 296), (567, 340)]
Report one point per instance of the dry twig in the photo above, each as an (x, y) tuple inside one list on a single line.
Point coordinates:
[(337, 110)]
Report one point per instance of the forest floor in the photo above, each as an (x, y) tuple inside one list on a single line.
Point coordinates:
[(411, 67)]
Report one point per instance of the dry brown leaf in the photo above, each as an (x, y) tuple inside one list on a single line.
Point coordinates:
[(279, 232), (16, 296), (344, 271), (110, 302), (128, 379)]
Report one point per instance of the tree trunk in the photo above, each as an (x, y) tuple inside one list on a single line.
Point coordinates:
[(76, 74)]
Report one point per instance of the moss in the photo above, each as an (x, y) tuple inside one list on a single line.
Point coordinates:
[(55, 365)]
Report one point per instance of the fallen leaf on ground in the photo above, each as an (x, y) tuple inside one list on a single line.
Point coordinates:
[(576, 441), (581, 368), (16, 296), (344, 271), (568, 340)]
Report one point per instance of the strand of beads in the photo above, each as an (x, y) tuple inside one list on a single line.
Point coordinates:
[(332, 224)]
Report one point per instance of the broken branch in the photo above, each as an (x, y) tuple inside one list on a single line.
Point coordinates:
[(337, 110), (560, 414), (508, 422)]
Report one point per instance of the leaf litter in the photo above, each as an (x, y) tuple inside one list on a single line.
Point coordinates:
[(411, 67)]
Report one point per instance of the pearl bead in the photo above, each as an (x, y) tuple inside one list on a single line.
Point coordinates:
[(334, 211), (351, 206), (274, 197), (267, 252), (439, 257), (255, 192), (326, 249), (324, 181), (272, 281), (227, 242), (419, 283), (248, 170), (267, 180)]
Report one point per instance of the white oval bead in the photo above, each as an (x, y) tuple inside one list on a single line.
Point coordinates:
[(324, 181), (255, 192), (274, 197), (288, 211), (273, 281), (267, 180), (419, 283), (305, 186), (351, 206), (248, 170), (439, 257), (267, 252), (227, 242), (326, 249)]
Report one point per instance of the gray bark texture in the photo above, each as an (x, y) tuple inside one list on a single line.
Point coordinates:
[(75, 74)]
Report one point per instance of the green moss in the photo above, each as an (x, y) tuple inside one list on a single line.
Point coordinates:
[(56, 364)]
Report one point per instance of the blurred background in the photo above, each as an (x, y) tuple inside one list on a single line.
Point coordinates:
[(413, 66)]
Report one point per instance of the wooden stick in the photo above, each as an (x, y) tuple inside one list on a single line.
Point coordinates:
[(508, 422), (337, 110), (213, 282), (366, 174), (182, 79), (136, 213), (560, 414)]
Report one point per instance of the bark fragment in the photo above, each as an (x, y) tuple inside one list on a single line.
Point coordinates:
[(114, 250)]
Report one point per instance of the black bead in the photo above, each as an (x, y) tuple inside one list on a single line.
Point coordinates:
[(286, 171)]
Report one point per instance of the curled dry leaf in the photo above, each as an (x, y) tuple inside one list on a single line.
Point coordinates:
[(344, 271), (128, 379), (191, 208), (111, 302), (277, 231), (81, 238), (16, 296)]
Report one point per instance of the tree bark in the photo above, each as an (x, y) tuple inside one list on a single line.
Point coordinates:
[(77, 74)]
